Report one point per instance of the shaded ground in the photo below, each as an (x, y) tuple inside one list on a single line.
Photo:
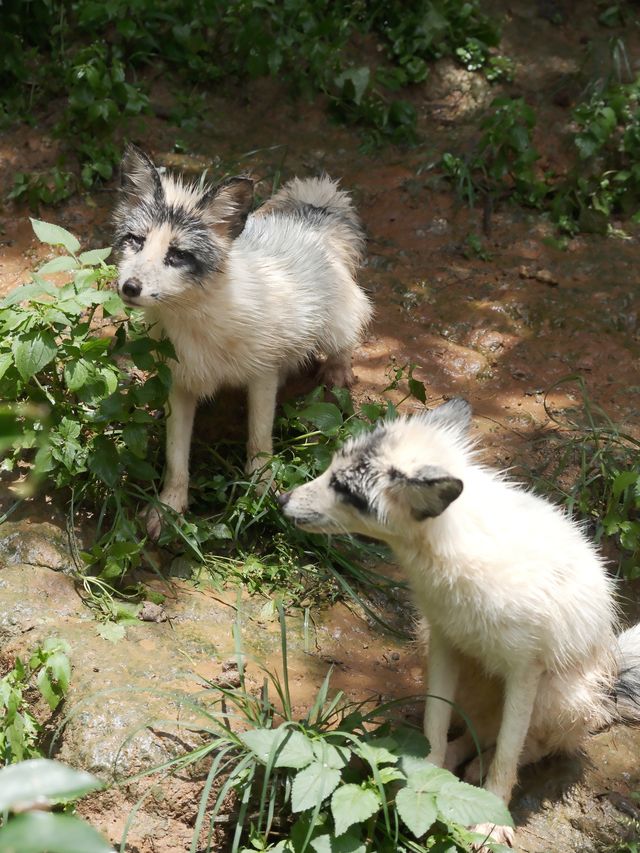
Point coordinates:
[(498, 331)]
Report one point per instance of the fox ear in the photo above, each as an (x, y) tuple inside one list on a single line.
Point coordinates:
[(228, 205), (454, 413), (428, 491), (138, 173)]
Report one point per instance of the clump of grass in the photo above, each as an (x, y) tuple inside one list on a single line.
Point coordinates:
[(344, 776), (595, 473)]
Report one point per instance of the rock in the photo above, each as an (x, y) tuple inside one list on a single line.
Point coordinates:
[(39, 544)]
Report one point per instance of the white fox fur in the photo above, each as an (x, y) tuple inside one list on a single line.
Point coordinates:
[(244, 298), (520, 610)]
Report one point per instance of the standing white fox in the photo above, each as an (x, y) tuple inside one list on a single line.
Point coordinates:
[(244, 298), (520, 610)]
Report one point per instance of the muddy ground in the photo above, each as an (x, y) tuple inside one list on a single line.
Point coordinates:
[(499, 331)]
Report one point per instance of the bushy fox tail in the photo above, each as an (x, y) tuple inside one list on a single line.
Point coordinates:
[(321, 203), (627, 685)]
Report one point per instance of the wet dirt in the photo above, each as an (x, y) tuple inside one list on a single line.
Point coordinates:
[(500, 330)]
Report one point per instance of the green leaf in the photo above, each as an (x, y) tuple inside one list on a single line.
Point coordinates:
[(329, 755), (111, 631), (60, 264), (408, 741), (347, 843), (378, 751), (461, 803), (76, 374), (54, 235), (353, 804), (326, 417), (424, 776), (135, 437), (417, 809), (353, 82), (290, 747), (104, 461), (33, 351), (94, 256), (313, 785), (6, 360), (44, 832), (27, 291), (622, 481), (41, 778)]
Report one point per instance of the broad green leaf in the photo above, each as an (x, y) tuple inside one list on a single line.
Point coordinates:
[(466, 804), (113, 305), (60, 264), (69, 429), (76, 374), (54, 235), (623, 480), (27, 291), (353, 82), (104, 461), (91, 296), (33, 351), (45, 832), (376, 751), (326, 417), (390, 774), (135, 438), (290, 747), (41, 779), (94, 256), (111, 631), (418, 810), (46, 688), (6, 360), (408, 741), (329, 755), (347, 843), (424, 776), (313, 785), (352, 804), (109, 376), (60, 667)]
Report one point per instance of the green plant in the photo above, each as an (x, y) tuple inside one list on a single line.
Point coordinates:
[(315, 50), (596, 474), (503, 159), (48, 187), (48, 670), (25, 787), (341, 778), (92, 412), (606, 178)]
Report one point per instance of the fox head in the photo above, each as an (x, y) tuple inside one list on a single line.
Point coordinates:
[(172, 236), (385, 482)]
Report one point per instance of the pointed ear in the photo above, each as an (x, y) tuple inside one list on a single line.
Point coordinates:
[(428, 491), (228, 205), (454, 413), (138, 174)]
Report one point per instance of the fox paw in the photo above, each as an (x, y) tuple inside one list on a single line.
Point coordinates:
[(336, 374), (490, 832), (154, 516)]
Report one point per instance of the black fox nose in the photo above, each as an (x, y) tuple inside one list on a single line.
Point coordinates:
[(283, 499), (132, 287)]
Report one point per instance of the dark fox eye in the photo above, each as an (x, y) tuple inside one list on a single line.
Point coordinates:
[(132, 241), (179, 257)]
